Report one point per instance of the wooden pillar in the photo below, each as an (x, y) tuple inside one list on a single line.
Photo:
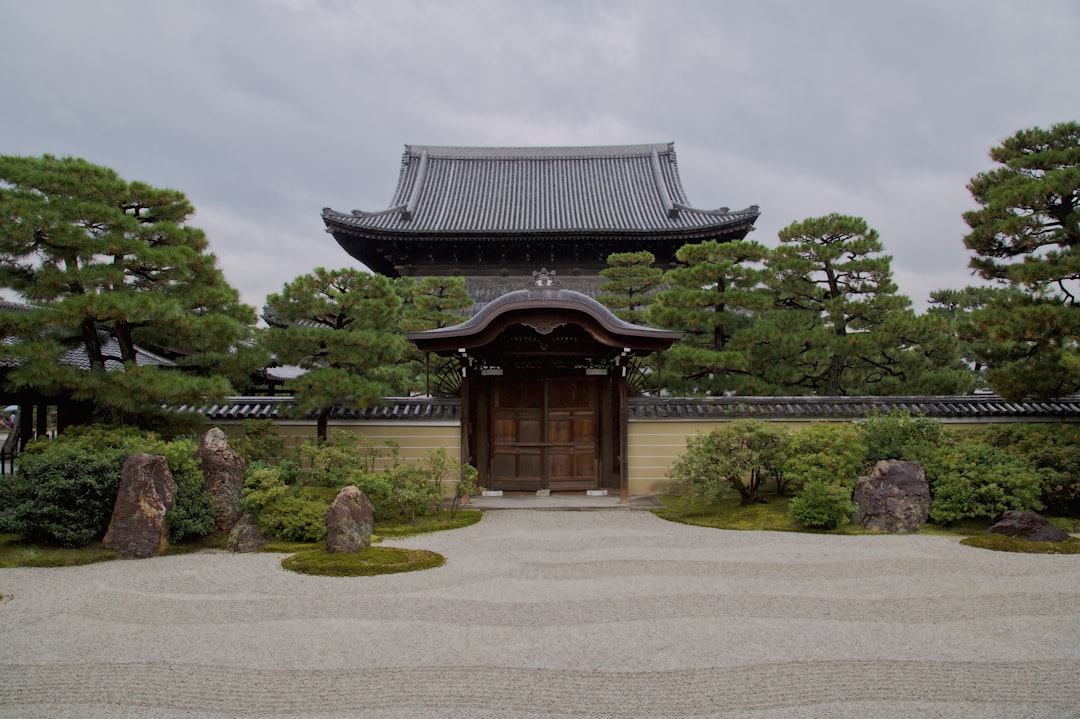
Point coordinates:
[(41, 428), (466, 417), (622, 433), (26, 425)]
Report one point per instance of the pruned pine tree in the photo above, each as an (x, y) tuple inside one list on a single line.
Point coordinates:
[(630, 284), (433, 302), (713, 299), (109, 265), (342, 327), (851, 325), (1026, 236)]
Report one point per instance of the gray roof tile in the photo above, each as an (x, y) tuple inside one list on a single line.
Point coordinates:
[(419, 409), (508, 190)]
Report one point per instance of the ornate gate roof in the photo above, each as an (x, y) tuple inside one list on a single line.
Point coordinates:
[(543, 307)]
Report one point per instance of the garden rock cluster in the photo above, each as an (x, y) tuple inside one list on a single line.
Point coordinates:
[(1031, 526), (895, 497), (223, 470), (349, 522), (147, 491)]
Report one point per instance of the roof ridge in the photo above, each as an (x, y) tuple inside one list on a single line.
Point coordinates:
[(461, 152)]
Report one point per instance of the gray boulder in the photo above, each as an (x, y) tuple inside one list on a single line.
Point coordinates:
[(1031, 526), (223, 472), (349, 522), (147, 490), (245, 536), (894, 498)]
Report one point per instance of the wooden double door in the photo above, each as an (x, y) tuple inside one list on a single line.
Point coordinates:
[(545, 433)]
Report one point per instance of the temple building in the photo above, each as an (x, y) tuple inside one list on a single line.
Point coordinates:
[(545, 370), (495, 215)]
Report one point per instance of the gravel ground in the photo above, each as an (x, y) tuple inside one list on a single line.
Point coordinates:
[(553, 614)]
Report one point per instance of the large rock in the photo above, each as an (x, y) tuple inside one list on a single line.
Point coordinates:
[(223, 471), (894, 498), (1031, 526), (349, 522), (245, 536), (147, 491)]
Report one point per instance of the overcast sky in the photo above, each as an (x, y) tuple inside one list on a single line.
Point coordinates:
[(263, 112)]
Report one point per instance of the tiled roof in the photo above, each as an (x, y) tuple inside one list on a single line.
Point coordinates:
[(620, 189), (416, 409), (419, 409), (972, 407)]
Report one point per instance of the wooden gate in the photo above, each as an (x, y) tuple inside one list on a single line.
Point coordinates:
[(544, 434)]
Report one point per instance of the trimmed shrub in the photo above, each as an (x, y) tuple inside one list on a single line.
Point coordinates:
[(63, 493), (826, 453), (1052, 448), (65, 488), (294, 519), (979, 481), (281, 512), (822, 505), (899, 435), (740, 455)]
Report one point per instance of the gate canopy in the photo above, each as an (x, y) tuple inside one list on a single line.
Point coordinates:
[(544, 308)]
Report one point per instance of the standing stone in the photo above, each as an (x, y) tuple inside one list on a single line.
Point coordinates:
[(223, 472), (1031, 526), (245, 536), (147, 491), (894, 498), (349, 522)]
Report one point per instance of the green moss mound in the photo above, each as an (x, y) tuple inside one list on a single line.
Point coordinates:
[(1002, 543), (368, 562)]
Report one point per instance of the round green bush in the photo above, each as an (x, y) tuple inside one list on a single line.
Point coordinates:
[(899, 435), (978, 481), (822, 505), (63, 493), (825, 452)]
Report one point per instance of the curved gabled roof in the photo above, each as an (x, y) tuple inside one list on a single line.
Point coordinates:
[(544, 303), (485, 191)]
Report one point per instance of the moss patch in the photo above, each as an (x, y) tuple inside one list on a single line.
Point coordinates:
[(1002, 543), (727, 513), (424, 525), (14, 553), (367, 562)]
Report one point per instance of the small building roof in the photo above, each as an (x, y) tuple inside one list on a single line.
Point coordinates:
[(545, 302), (507, 193)]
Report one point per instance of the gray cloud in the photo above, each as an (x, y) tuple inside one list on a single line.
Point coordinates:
[(265, 112)]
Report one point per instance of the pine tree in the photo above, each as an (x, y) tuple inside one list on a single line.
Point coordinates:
[(630, 284), (712, 300), (342, 327), (829, 271), (111, 264), (1026, 236), (433, 302)]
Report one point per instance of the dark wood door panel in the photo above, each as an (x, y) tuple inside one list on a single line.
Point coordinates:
[(544, 434)]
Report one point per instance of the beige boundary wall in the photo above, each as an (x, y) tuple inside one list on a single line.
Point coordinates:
[(416, 439), (654, 443)]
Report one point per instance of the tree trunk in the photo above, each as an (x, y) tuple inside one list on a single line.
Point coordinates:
[(833, 380), (323, 420)]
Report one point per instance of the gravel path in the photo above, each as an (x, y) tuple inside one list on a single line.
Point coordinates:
[(551, 614)]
